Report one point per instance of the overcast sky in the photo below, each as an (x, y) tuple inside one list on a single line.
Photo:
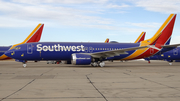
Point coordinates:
[(85, 20)]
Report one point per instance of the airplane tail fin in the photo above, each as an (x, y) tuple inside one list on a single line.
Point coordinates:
[(164, 33), (107, 40), (35, 35), (141, 37)]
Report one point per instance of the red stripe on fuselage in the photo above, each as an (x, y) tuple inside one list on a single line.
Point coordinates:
[(147, 53)]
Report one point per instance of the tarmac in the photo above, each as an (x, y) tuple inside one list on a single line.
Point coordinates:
[(117, 81)]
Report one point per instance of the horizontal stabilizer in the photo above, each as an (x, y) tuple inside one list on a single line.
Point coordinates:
[(170, 46)]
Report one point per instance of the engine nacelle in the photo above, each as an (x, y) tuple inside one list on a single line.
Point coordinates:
[(81, 59)]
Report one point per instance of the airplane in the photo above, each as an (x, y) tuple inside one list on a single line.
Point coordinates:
[(138, 40), (95, 54), (34, 36), (141, 37), (169, 56)]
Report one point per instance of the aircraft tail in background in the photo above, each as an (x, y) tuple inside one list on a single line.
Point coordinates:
[(141, 37), (107, 40)]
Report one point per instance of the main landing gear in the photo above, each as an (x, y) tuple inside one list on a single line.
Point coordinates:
[(97, 64), (170, 63), (24, 64)]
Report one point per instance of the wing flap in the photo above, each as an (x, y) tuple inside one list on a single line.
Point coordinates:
[(112, 53)]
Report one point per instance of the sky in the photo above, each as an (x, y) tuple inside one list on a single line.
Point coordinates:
[(85, 20)]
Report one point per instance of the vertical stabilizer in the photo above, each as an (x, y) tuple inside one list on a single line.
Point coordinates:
[(107, 40), (35, 35), (165, 37), (165, 29), (141, 37)]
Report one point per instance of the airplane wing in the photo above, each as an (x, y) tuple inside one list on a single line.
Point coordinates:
[(112, 53), (169, 46)]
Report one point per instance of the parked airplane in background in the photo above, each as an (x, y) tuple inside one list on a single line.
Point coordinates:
[(141, 37), (95, 53), (107, 40), (169, 56), (138, 40), (34, 36)]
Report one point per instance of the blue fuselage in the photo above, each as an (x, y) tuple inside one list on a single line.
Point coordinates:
[(169, 55), (64, 50)]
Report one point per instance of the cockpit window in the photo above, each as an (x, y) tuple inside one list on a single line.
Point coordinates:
[(16, 48)]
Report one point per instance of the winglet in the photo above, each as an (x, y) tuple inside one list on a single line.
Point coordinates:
[(35, 35), (140, 38)]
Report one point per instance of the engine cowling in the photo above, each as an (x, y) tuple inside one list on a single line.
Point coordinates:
[(81, 59)]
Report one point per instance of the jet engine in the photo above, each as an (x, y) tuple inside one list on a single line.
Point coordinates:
[(81, 59)]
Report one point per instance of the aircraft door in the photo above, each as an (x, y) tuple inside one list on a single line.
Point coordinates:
[(175, 51), (29, 49), (86, 49), (151, 50), (90, 49)]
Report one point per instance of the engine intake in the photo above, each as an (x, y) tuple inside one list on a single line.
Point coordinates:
[(81, 59)]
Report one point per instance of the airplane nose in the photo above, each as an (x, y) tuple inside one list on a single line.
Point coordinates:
[(9, 53)]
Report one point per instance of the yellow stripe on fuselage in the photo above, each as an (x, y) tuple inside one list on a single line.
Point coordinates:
[(149, 41), (136, 53), (3, 57)]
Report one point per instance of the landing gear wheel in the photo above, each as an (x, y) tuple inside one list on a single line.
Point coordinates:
[(24, 65), (94, 64), (170, 63), (101, 64)]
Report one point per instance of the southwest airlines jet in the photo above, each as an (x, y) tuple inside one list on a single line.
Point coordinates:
[(95, 53), (169, 56), (34, 36)]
